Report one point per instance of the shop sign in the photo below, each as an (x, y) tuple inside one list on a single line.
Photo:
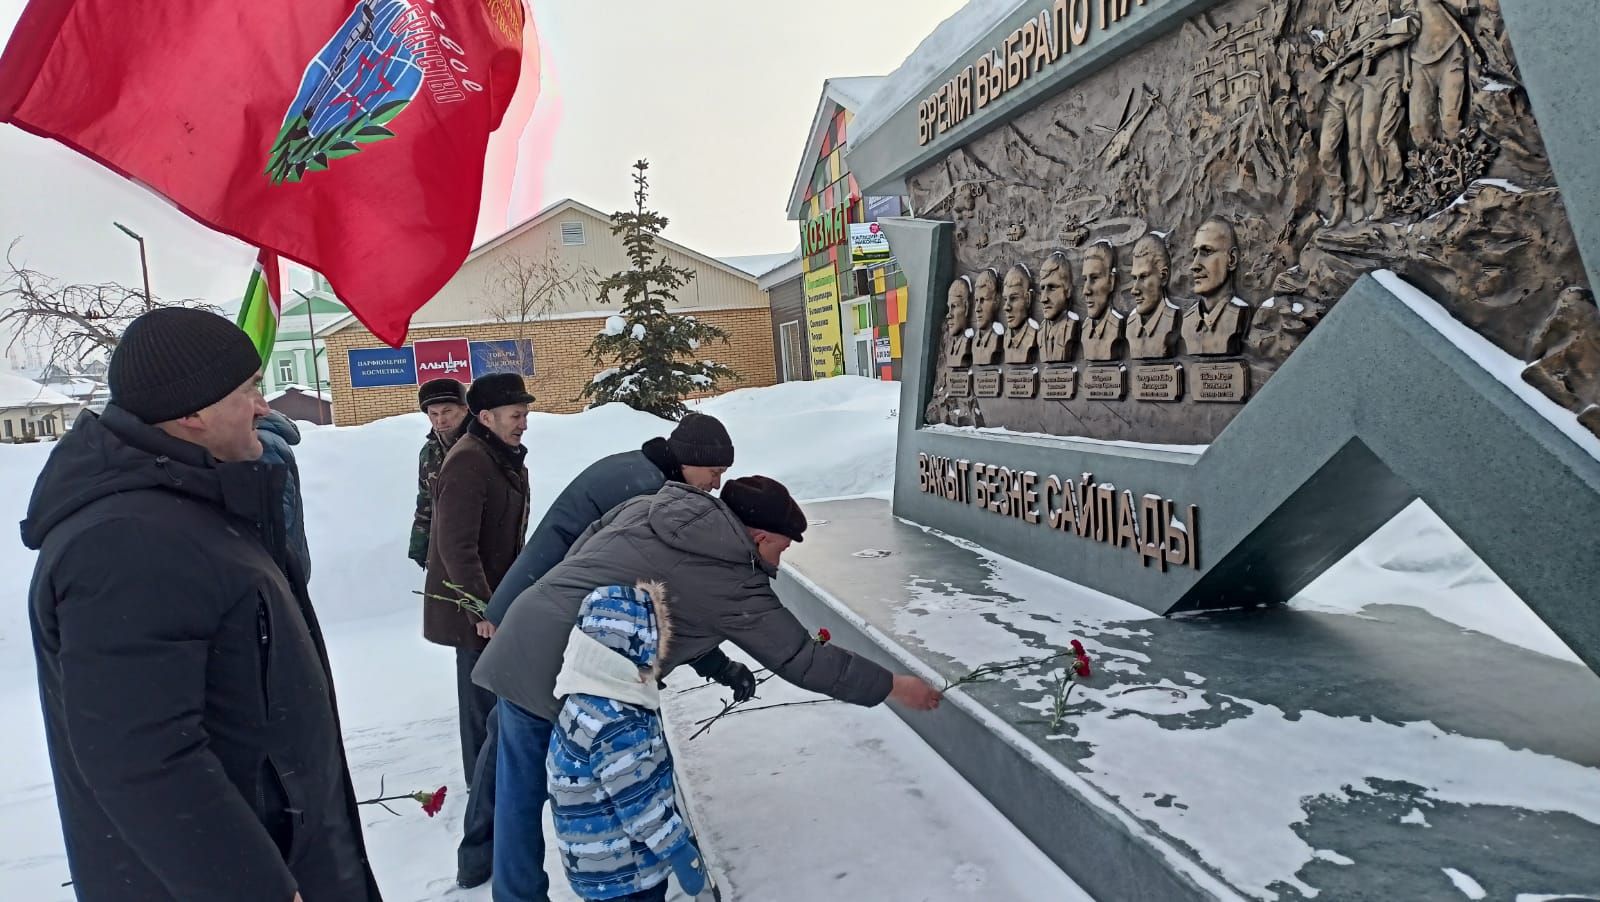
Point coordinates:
[(512, 355), (448, 358), (868, 244), (882, 351), (827, 230), (379, 367), (822, 322)]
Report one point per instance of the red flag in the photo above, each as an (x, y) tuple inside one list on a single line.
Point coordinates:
[(348, 135)]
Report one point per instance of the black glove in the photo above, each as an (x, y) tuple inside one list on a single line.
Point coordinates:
[(716, 665), (738, 677)]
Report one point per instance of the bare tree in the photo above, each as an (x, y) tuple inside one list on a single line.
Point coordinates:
[(74, 322), (522, 290)]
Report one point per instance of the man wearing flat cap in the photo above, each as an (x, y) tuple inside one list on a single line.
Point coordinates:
[(188, 704), (480, 516), (445, 403), (716, 558)]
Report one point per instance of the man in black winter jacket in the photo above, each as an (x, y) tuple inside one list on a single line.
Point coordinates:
[(188, 704)]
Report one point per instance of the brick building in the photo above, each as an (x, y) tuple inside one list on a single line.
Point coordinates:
[(474, 324)]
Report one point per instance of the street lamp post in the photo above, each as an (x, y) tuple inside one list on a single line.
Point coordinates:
[(144, 264)]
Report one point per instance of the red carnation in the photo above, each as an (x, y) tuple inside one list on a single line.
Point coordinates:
[(823, 636), (1077, 648), (432, 802), (1081, 668)]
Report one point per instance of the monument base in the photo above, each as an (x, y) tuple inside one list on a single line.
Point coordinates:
[(1270, 752)]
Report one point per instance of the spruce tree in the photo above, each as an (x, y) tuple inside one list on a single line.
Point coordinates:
[(648, 352)]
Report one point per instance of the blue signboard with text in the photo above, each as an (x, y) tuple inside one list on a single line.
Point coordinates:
[(377, 367), (512, 355)]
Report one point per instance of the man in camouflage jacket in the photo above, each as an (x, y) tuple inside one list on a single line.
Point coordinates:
[(445, 403)]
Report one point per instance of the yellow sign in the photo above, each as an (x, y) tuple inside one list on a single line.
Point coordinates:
[(822, 322)]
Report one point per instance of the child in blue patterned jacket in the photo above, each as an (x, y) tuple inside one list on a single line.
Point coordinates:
[(610, 774)]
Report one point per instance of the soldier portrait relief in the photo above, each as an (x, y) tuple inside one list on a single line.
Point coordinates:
[(1102, 324), (957, 333), (986, 325), (1216, 322), (1058, 336), (1022, 333), (1152, 326)]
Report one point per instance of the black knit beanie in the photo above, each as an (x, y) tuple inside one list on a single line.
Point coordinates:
[(441, 391), (763, 503), (701, 441), (175, 361)]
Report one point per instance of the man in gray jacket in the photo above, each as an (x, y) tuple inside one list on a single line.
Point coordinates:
[(717, 557)]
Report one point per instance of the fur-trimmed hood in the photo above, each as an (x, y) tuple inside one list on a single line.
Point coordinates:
[(616, 648)]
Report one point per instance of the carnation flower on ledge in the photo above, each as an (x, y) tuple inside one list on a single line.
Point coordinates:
[(823, 637), (432, 802)]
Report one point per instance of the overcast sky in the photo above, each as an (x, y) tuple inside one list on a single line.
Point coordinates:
[(718, 94)]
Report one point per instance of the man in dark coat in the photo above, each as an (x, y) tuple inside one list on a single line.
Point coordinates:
[(188, 703), (480, 516), (716, 558), (697, 452), (445, 403)]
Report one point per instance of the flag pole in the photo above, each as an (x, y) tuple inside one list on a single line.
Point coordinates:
[(316, 373)]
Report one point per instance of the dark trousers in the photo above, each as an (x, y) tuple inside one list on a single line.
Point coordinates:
[(519, 806), (473, 705), (475, 855)]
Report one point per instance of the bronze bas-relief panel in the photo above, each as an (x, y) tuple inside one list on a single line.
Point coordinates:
[(1206, 199)]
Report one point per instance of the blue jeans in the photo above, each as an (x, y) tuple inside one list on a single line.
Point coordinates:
[(520, 794)]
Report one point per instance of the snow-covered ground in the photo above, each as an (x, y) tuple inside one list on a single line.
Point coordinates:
[(825, 801)]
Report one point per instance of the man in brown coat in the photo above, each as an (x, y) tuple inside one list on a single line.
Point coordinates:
[(480, 517)]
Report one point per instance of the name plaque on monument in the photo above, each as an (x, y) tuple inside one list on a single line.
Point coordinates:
[(1105, 383), (1022, 383), (986, 383), (1224, 382), (1159, 382), (959, 383), (1060, 383)]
